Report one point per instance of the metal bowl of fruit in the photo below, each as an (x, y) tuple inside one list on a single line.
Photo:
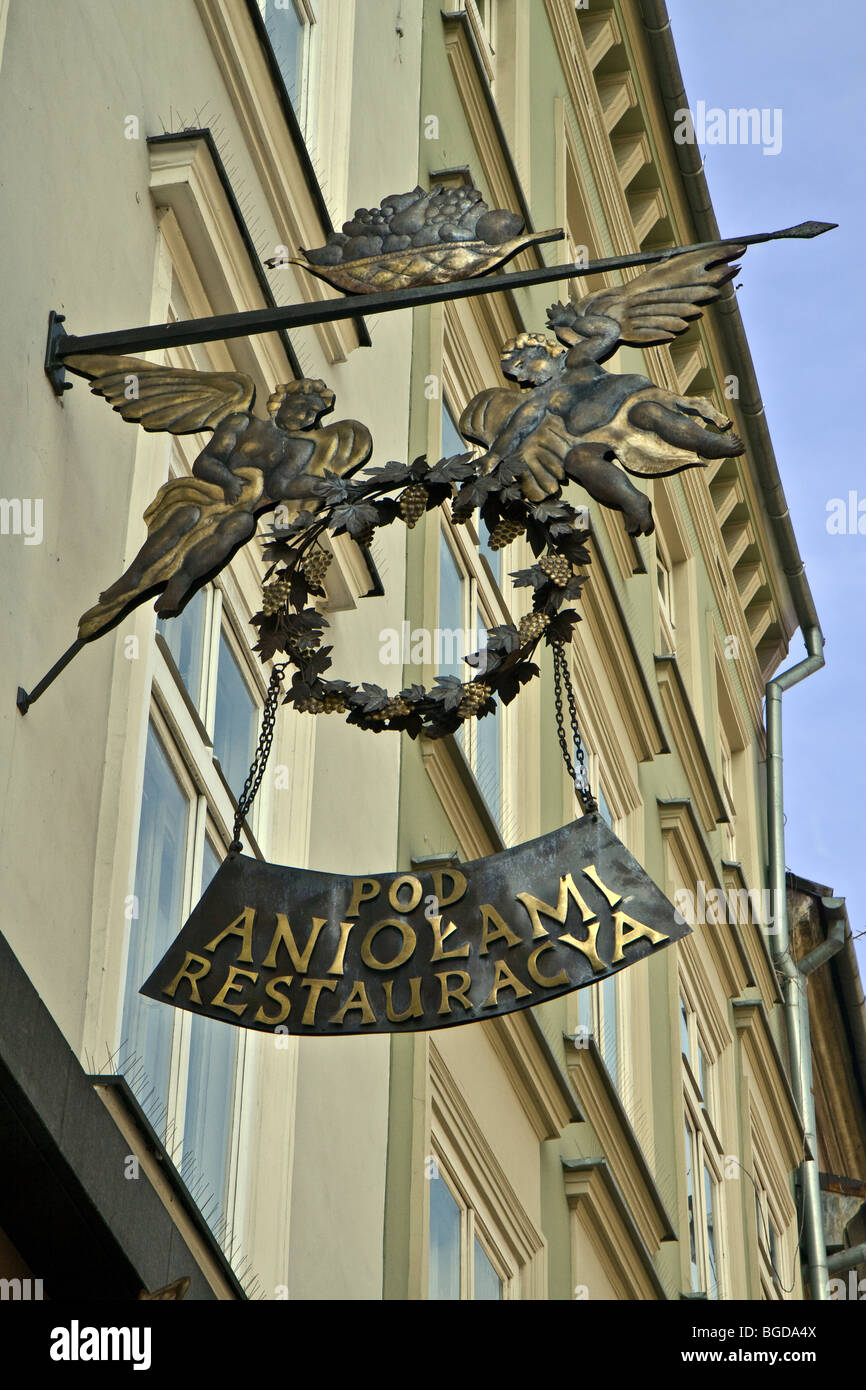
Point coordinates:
[(418, 238)]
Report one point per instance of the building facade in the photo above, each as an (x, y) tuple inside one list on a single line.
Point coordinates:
[(608, 1145)]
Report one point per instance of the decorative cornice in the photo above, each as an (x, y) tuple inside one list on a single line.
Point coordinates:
[(539, 1083), (602, 609), (489, 1184), (689, 743), (488, 135), (461, 800), (768, 1069), (277, 150), (592, 1191), (604, 1111), (679, 822), (184, 166)]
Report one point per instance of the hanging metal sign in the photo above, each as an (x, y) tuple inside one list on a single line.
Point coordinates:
[(320, 954)]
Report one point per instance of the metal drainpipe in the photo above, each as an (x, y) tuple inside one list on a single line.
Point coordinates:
[(794, 981)]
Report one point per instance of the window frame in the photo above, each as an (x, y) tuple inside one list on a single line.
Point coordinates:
[(303, 103), (470, 1222), (454, 1139), (484, 605), (700, 1104)]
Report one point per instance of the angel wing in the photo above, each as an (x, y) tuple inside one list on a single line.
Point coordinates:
[(165, 398), (651, 309)]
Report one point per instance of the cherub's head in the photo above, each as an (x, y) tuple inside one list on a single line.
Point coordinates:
[(298, 405), (531, 358)]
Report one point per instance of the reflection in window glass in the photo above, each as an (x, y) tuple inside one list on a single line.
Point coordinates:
[(451, 624), (453, 443), (159, 871), (702, 1072), (609, 1049), (488, 772), (709, 1194), (184, 637), (444, 1242), (286, 33), (488, 1285), (690, 1194), (235, 721), (212, 1052), (685, 1045)]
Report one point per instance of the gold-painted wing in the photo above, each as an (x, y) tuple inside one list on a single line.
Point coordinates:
[(165, 398), (341, 447), (487, 414), (655, 306)]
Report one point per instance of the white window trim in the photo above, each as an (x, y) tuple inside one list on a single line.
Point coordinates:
[(512, 1242)]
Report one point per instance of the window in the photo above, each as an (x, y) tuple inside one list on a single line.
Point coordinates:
[(703, 1156), (597, 1007), (205, 686), (729, 831), (483, 19), (470, 602), (665, 591), (460, 1267), (772, 1226), (289, 25)]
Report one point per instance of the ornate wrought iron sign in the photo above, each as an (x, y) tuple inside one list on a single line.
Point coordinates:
[(272, 947), (323, 954)]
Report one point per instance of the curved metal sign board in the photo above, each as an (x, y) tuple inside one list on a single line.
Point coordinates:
[(270, 947)]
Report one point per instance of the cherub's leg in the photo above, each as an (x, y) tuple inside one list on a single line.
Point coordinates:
[(683, 432), (589, 465), (207, 558)]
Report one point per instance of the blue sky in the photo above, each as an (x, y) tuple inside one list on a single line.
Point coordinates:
[(802, 304)]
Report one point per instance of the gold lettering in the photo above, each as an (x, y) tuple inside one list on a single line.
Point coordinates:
[(315, 987), (504, 978), (219, 999), (627, 930), (336, 966), (356, 1000), (588, 947), (363, 890), (273, 993), (245, 932), (590, 873), (567, 888), (402, 955), (439, 936), (499, 931), (448, 993), (548, 981), (415, 891), (458, 886), (283, 935), (414, 1010), (185, 973)]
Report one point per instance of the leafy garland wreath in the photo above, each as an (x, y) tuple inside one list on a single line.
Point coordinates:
[(287, 623)]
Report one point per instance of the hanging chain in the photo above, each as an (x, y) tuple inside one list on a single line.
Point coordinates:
[(260, 761), (561, 677)]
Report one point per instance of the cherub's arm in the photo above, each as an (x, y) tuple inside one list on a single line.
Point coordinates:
[(522, 423), (212, 463)]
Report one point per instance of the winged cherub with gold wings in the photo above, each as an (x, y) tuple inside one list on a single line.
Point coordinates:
[(195, 525), (574, 419)]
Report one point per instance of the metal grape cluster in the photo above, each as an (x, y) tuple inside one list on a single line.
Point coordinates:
[(289, 623)]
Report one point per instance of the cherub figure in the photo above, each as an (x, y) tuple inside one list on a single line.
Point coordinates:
[(573, 419), (196, 525)]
